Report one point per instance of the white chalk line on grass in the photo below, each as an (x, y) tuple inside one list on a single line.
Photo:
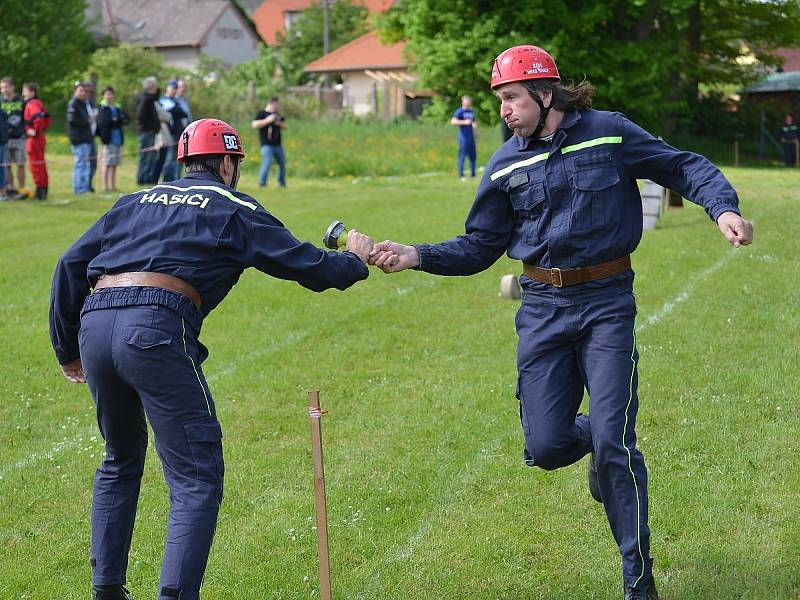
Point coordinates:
[(443, 503), (32, 459), (685, 293)]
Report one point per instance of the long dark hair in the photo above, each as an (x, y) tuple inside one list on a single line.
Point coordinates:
[(565, 97)]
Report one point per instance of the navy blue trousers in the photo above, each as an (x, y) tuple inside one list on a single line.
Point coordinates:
[(144, 361), (562, 351), (466, 150)]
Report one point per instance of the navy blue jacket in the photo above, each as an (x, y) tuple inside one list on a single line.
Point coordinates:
[(197, 229), (574, 201)]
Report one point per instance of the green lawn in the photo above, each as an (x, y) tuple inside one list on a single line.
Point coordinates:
[(427, 495)]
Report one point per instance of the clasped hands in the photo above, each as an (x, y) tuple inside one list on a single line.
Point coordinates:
[(388, 256)]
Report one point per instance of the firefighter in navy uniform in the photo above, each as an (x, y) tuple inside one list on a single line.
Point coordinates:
[(561, 196), (156, 264)]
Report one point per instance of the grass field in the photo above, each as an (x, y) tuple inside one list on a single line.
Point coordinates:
[(427, 495)]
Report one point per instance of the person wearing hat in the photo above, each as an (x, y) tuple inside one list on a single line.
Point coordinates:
[(561, 197), (127, 304)]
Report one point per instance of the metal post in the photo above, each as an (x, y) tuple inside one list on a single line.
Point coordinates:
[(316, 413), (325, 28)]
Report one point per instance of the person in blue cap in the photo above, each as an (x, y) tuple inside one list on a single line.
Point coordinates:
[(127, 304), (561, 196)]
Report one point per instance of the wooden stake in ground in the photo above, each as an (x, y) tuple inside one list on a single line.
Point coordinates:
[(315, 412)]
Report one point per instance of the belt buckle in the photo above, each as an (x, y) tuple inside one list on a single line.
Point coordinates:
[(553, 272)]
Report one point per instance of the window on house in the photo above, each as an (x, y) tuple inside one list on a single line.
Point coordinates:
[(290, 17)]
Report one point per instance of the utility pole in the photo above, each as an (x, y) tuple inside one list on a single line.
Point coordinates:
[(326, 45), (326, 42)]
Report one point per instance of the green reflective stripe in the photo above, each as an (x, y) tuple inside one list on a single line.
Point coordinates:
[(196, 374), (520, 164), (590, 143), (630, 468), (213, 188)]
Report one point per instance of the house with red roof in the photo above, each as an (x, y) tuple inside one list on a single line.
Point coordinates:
[(179, 30), (278, 16), (375, 78)]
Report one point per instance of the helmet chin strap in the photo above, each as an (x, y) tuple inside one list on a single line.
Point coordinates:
[(543, 112), (235, 176)]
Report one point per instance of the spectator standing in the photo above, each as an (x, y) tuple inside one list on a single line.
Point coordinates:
[(180, 98), (14, 106), (110, 120), (176, 124), (464, 118), (3, 142), (92, 110), (789, 139), (269, 123), (79, 132), (148, 125), (37, 120)]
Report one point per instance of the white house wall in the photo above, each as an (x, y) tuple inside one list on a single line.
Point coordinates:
[(181, 58), (230, 41), (357, 93)]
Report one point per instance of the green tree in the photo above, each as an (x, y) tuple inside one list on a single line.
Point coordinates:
[(46, 42), (647, 57), (303, 43), (124, 67)]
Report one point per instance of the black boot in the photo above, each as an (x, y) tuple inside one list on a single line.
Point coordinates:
[(41, 193), (642, 592), (594, 486), (110, 592)]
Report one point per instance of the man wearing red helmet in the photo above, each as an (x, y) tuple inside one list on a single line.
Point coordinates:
[(561, 196), (127, 304)]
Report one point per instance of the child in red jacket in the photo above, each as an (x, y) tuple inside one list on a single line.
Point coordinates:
[(37, 120)]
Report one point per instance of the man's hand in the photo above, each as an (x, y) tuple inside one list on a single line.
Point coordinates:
[(31, 132), (738, 231), (359, 244), (73, 372), (392, 257)]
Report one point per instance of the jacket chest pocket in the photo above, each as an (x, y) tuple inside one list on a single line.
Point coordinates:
[(596, 198), (529, 205)]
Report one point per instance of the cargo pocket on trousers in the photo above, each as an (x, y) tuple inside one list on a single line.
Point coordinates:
[(526, 428), (205, 443), (145, 338)]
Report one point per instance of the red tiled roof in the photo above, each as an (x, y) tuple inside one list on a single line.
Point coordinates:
[(365, 52), (792, 58), (269, 17)]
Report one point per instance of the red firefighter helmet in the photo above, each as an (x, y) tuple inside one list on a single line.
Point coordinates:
[(521, 63), (209, 136)]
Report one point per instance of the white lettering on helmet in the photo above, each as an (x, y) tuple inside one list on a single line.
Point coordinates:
[(230, 141)]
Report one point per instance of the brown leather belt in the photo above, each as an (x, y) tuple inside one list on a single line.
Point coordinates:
[(563, 277), (145, 279)]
